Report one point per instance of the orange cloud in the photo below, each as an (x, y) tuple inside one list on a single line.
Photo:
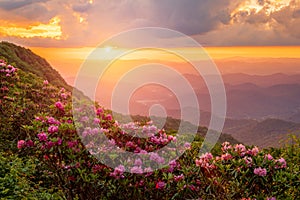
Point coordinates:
[(49, 30)]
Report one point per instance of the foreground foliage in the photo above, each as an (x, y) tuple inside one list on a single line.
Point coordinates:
[(47, 157)]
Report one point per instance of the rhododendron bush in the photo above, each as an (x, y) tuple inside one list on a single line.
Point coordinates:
[(70, 156)]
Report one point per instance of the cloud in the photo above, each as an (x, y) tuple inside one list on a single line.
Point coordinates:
[(213, 22), (11, 5)]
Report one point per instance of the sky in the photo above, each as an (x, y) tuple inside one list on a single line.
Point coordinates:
[(65, 32), (81, 23)]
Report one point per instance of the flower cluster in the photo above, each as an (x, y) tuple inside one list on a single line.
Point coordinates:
[(9, 70)]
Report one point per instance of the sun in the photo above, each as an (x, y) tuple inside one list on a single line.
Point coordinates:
[(108, 49)]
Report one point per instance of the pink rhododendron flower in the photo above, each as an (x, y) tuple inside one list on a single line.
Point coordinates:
[(155, 157), (204, 161), (260, 171), (59, 141), (130, 144), (42, 137), (99, 111), (60, 106), (96, 120), (108, 117), (254, 151), (84, 119), (280, 163), (62, 90), (269, 157), (53, 129), (138, 162), (29, 143), (118, 171), (21, 144), (64, 95), (248, 161), (160, 185), (226, 146), (241, 149), (187, 145), (52, 120), (136, 170), (179, 178), (226, 156), (72, 144), (49, 144)]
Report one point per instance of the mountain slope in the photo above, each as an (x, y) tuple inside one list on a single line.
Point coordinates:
[(29, 62), (266, 133)]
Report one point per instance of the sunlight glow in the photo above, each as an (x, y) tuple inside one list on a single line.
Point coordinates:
[(50, 30), (268, 7), (108, 49)]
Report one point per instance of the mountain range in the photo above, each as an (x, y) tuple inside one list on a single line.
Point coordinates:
[(261, 110)]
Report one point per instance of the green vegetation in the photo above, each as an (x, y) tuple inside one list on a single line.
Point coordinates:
[(43, 155)]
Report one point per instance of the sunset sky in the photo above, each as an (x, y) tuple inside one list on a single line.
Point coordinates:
[(65, 32)]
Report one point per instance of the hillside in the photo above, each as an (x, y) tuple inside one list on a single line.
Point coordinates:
[(266, 133), (29, 62), (46, 153)]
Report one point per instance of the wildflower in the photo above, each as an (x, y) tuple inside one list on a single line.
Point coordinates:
[(51, 120), (241, 149), (269, 157), (155, 157), (45, 82), (109, 117), (254, 151), (29, 143), (187, 145), (179, 178), (49, 144), (62, 90), (248, 161), (204, 161), (226, 146), (59, 141), (280, 163), (136, 170), (226, 156), (42, 136), (99, 111), (160, 185), (59, 105), (260, 171), (96, 168), (64, 95), (84, 119), (71, 144), (138, 162), (148, 170), (53, 129), (21, 144), (118, 171), (96, 120)]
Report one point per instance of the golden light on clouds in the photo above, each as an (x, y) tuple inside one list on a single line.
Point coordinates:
[(49, 30), (268, 7)]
